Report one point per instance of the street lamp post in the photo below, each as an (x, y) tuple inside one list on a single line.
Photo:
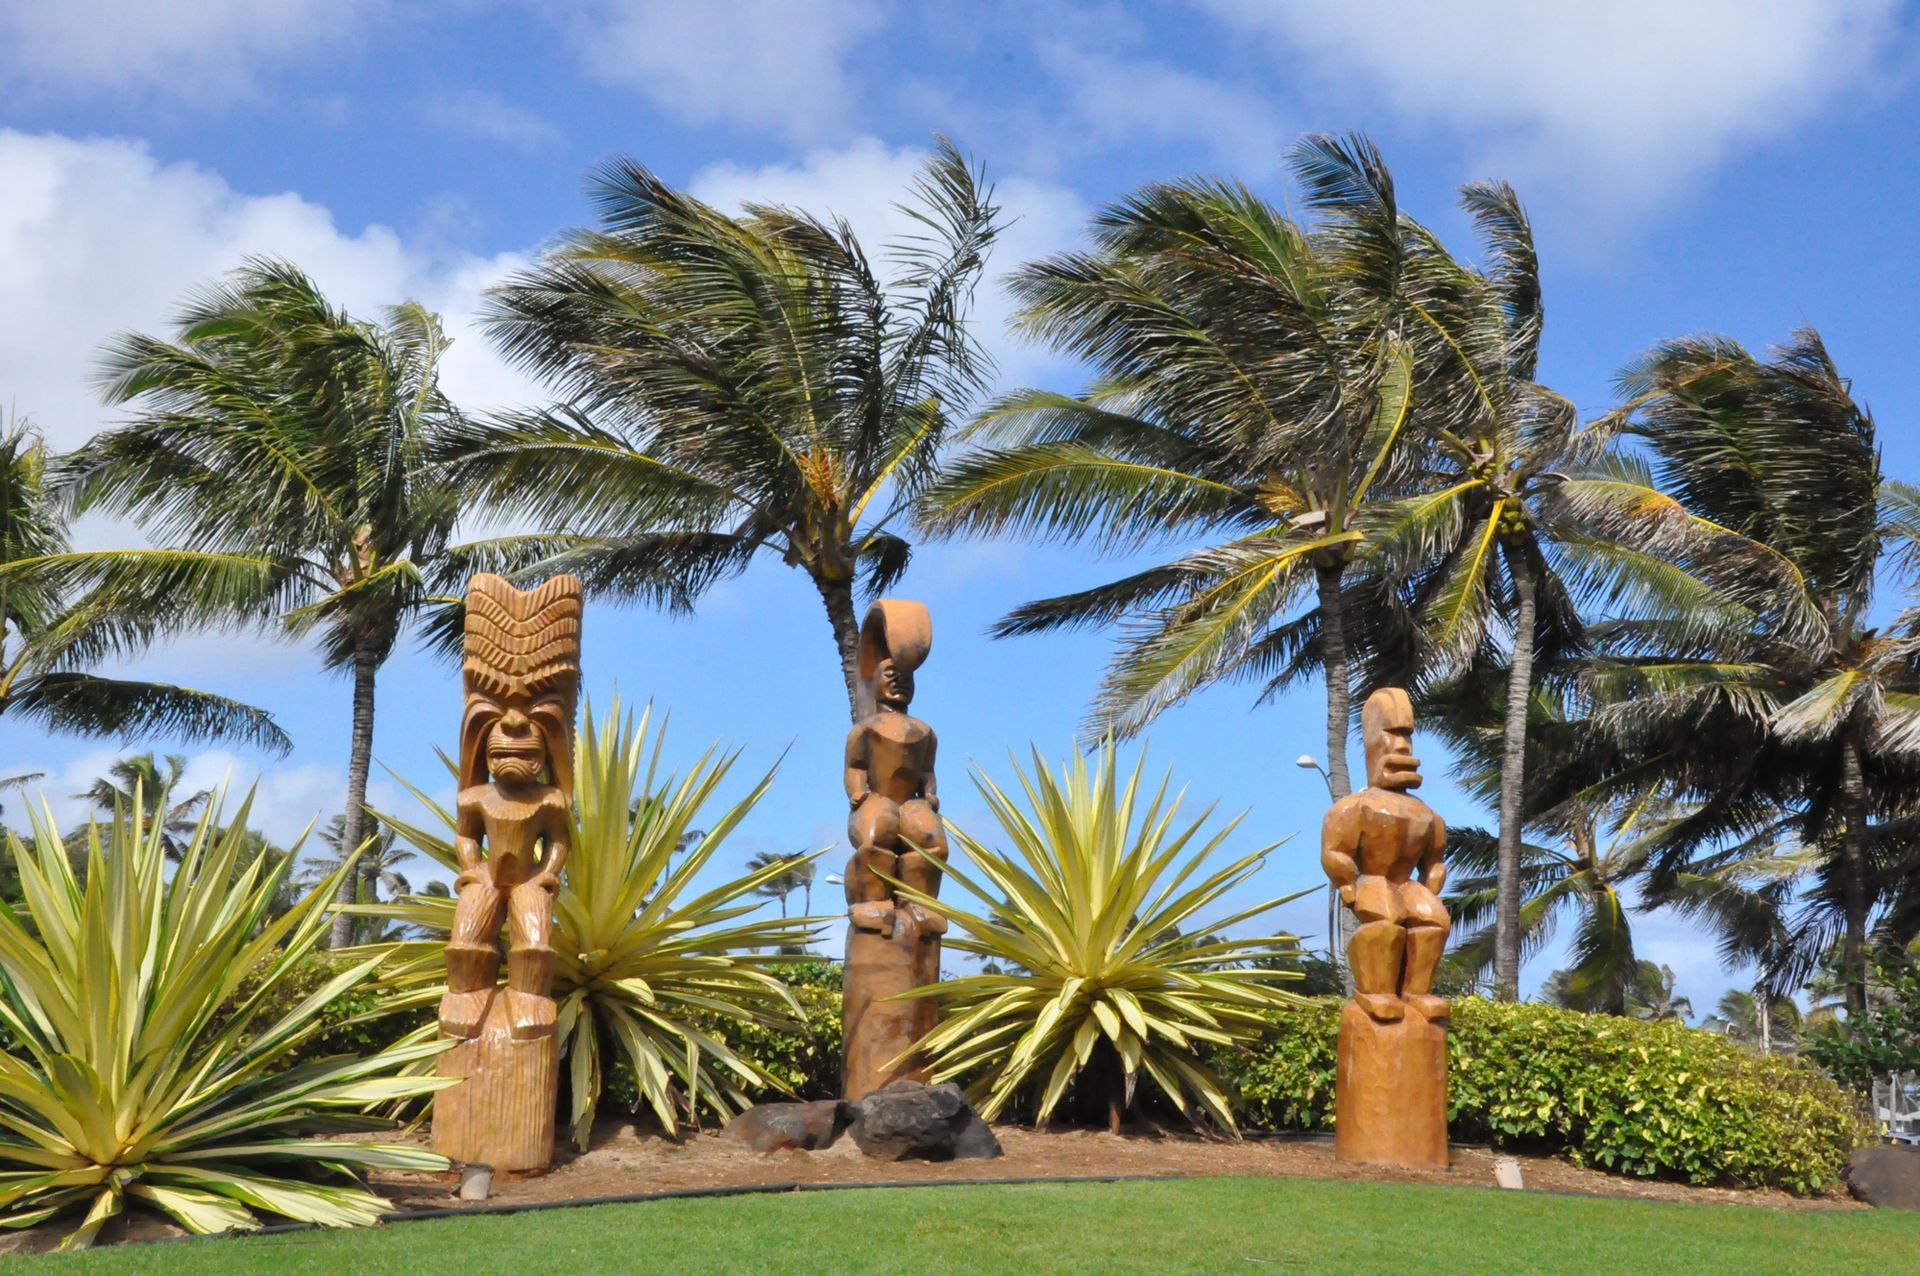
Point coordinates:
[(1307, 762)]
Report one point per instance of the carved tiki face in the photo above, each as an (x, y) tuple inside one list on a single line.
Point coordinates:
[(894, 640), (522, 677), (1386, 728)]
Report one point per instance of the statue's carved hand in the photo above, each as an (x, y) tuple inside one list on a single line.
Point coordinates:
[(855, 799), (546, 881), (933, 804), (469, 877), (1346, 894)]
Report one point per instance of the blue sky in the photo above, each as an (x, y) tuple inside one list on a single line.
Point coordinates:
[(1720, 165)]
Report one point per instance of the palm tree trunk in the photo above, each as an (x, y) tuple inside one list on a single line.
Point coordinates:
[(838, 597), (366, 664), (1853, 852), (1337, 667), (1764, 1005), (1513, 774), (1336, 663)]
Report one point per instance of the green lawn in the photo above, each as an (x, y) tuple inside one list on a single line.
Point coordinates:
[(1194, 1225)]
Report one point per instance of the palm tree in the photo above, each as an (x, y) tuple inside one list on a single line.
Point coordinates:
[(797, 876), (380, 861), (278, 456), (1757, 1019), (141, 778), (1785, 708), (45, 644), (1251, 393), (1480, 576), (735, 385), (1654, 994)]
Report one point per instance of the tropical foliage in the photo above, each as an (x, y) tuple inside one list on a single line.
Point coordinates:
[(643, 955), (134, 1077), (1773, 710), (1251, 394), (735, 385), (46, 643), (278, 456), (1104, 971)]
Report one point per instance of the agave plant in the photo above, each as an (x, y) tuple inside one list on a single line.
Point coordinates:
[(131, 1077), (1091, 925), (643, 959)]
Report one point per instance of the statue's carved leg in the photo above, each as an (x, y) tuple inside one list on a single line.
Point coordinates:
[(1424, 946), (1427, 926), (924, 855), (1378, 945), (473, 959), (530, 962), (874, 830), (1375, 955)]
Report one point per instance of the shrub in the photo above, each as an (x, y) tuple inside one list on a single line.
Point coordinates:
[(1618, 1094), (801, 1060), (643, 958), (360, 1021), (137, 1074), (1101, 965)]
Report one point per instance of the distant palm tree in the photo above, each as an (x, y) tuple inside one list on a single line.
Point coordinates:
[(1771, 1023), (278, 455), (379, 862), (798, 876), (1653, 994), (46, 643), (141, 775), (735, 385)]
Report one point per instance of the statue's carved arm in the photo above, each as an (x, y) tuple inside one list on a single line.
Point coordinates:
[(1339, 839), (1433, 868), (928, 790), (857, 780), (559, 842), (468, 829)]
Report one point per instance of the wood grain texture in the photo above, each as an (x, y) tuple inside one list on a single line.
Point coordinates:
[(1390, 1090), (502, 1113), (877, 1030)]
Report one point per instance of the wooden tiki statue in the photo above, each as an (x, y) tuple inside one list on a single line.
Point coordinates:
[(892, 945), (1382, 848), (522, 680)]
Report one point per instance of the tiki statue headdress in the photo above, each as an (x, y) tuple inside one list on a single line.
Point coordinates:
[(522, 653), (899, 630)]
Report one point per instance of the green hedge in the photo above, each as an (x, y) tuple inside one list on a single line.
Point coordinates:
[(1617, 1094), (807, 1060)]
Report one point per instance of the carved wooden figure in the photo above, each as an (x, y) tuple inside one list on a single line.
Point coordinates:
[(1382, 848), (892, 945), (522, 679)]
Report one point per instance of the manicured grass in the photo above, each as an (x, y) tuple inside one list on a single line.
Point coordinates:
[(1194, 1225)]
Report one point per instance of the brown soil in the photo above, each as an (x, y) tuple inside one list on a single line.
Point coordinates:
[(625, 1161)]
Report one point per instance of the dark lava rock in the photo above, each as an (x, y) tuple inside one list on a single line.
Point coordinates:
[(1886, 1175), (780, 1127), (905, 1120)]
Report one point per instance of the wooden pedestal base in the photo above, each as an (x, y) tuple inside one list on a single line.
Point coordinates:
[(877, 1030), (1390, 1090), (502, 1114)]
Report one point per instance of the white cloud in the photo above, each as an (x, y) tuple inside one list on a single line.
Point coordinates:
[(96, 237), (189, 49), (863, 181), (1627, 99), (777, 66), (491, 118), (1120, 100)]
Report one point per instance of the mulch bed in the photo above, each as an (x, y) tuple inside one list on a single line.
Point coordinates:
[(626, 1160)]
